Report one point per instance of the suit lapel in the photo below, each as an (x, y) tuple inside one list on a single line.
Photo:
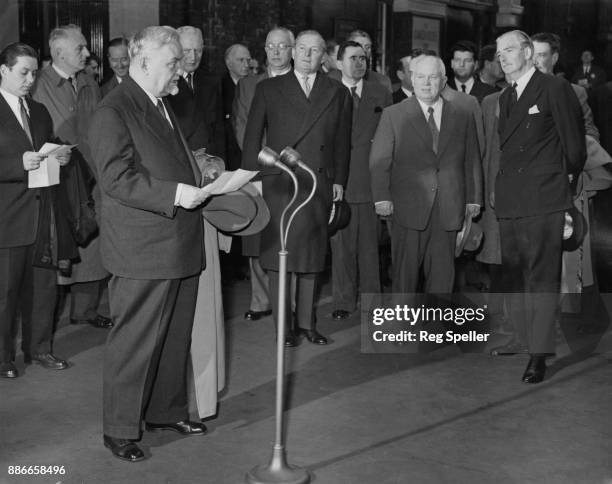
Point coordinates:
[(194, 166), (10, 123), (316, 103), (528, 98), (446, 124), (418, 121), (366, 109)]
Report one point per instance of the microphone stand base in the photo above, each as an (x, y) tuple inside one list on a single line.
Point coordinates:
[(278, 471)]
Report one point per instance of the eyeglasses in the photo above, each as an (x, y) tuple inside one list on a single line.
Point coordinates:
[(280, 46)]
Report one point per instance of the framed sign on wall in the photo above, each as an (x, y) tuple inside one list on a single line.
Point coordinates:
[(426, 33)]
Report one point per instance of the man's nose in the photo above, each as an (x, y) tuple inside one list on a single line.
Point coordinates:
[(86, 52)]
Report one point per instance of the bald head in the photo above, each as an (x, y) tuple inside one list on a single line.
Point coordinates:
[(237, 60)]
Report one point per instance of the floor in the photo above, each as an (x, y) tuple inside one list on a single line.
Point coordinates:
[(441, 416)]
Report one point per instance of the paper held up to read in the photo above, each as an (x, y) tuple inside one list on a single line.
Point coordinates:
[(48, 173), (229, 181)]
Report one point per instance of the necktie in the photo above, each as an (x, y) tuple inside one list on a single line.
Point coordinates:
[(355, 99), (463, 87), (307, 86), (586, 71), (512, 100), (162, 111), (190, 80), (25, 119), (433, 128), (72, 82)]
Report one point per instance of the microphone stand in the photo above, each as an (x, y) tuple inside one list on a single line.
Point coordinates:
[(278, 470)]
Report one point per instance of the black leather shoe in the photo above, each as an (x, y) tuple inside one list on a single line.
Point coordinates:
[(49, 361), (512, 348), (102, 322), (536, 368), (255, 315), (291, 340), (314, 336), (124, 449), (184, 427), (340, 314), (8, 370)]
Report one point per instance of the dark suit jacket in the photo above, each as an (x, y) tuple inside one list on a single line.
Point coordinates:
[(602, 112), (140, 162), (406, 171), (200, 113), (541, 143), (19, 205), (245, 90), (374, 98), (318, 127), (370, 75), (399, 95), (479, 90), (107, 86), (233, 154), (596, 77)]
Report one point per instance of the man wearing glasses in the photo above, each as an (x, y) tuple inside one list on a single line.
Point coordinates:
[(279, 43), (311, 113)]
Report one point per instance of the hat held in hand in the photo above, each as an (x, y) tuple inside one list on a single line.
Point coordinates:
[(469, 238)]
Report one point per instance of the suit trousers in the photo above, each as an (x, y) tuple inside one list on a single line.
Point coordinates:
[(89, 299), (260, 299), (431, 249), (147, 352), (355, 267), (28, 292), (531, 260), (305, 284)]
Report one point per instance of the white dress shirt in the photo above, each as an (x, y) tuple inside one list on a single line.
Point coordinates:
[(469, 84), (521, 82), (13, 102)]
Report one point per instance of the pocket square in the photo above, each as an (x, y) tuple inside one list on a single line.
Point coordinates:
[(534, 109)]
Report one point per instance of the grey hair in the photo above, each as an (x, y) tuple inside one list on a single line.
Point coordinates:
[(283, 30), (522, 37), (152, 38), (417, 60), (310, 32), (231, 48), (188, 29), (60, 33), (358, 33)]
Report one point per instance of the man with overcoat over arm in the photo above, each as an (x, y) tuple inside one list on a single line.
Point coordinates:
[(311, 113)]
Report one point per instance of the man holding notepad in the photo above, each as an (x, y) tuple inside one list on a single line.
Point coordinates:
[(32, 232)]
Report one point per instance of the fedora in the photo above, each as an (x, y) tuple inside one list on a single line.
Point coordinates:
[(469, 237), (241, 212), (339, 216)]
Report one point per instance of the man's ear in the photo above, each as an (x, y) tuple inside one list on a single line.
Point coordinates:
[(555, 58), (400, 74)]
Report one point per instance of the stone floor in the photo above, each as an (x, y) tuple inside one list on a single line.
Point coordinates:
[(442, 417)]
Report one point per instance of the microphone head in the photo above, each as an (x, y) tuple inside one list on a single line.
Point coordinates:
[(267, 157), (290, 157)]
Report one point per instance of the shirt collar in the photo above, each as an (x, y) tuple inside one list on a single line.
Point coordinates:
[(300, 77), (407, 92), (469, 84), (521, 82), (13, 101), (281, 73), (359, 85), (61, 73), (437, 106)]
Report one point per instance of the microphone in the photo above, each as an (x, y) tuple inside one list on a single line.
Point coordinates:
[(268, 157), (290, 157)]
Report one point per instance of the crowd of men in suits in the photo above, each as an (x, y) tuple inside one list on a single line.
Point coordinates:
[(417, 162)]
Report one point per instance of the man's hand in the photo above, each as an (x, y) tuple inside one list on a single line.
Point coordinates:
[(338, 192), (191, 197), (384, 209), (472, 209), (31, 160), (63, 159)]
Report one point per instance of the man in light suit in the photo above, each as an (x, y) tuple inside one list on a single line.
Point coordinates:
[(429, 181), (279, 43), (151, 242), (119, 62), (310, 112), (27, 290), (355, 266), (542, 146), (71, 96)]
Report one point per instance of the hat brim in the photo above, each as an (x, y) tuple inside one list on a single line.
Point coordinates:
[(262, 213), (230, 212)]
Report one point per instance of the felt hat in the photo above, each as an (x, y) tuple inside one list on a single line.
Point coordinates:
[(469, 238), (574, 230), (339, 216)]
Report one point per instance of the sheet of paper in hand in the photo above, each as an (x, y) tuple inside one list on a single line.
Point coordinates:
[(48, 173)]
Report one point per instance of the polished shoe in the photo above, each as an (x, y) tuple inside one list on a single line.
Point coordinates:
[(184, 427), (8, 370), (102, 322), (124, 449), (314, 336), (512, 348), (291, 340), (251, 315), (48, 361), (536, 368), (340, 314)]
